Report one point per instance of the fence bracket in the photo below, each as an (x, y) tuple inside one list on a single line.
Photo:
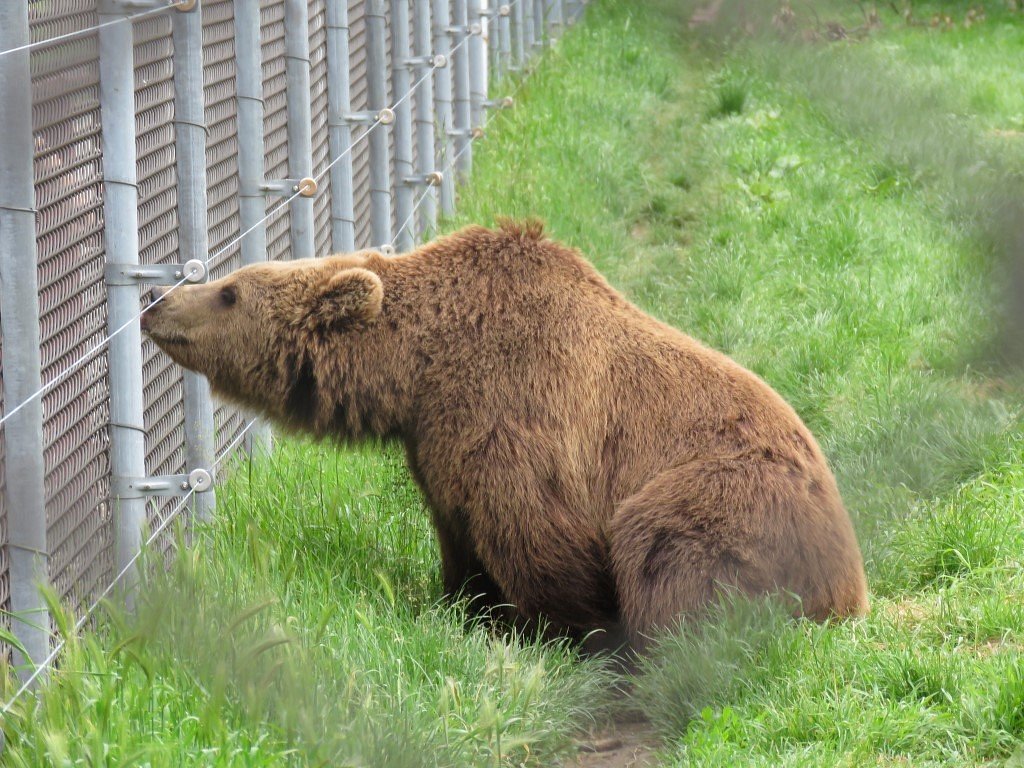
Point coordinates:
[(198, 481), (436, 61), (506, 102), (386, 116), (432, 179), (192, 271), (476, 28), (306, 187)]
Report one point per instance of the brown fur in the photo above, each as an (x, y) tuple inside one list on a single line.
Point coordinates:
[(583, 462)]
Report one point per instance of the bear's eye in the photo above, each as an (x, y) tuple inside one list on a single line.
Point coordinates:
[(228, 296)]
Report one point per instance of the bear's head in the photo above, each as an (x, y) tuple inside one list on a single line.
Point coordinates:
[(258, 333)]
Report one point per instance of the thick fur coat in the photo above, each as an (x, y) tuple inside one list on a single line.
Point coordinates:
[(582, 461)]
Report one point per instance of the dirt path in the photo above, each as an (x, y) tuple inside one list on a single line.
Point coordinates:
[(621, 745)]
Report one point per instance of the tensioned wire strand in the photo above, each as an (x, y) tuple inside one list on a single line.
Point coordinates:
[(211, 259), (168, 519), (89, 30)]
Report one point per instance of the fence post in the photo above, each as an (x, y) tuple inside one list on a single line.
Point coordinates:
[(339, 105), (518, 35), (463, 114), (190, 147), (300, 123), (558, 18), (477, 67), (121, 236), (252, 202), (504, 19), (376, 87), (25, 495), (425, 111), (443, 103), (527, 30), (540, 36), (400, 84)]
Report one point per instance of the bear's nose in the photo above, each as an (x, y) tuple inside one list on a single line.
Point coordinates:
[(157, 293)]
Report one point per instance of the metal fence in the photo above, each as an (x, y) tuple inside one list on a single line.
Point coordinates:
[(144, 142)]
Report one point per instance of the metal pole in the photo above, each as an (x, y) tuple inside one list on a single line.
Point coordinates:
[(339, 105), (463, 112), (252, 203), (540, 37), (518, 35), (504, 39), (376, 86), (558, 18), (400, 84), (477, 68), (190, 147), (425, 112), (25, 496), (528, 29), (443, 103), (121, 234), (300, 123)]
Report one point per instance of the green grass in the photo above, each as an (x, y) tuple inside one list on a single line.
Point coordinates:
[(773, 202)]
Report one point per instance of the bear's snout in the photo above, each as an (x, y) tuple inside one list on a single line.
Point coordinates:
[(152, 301)]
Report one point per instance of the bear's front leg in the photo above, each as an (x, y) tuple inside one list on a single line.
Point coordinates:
[(463, 575)]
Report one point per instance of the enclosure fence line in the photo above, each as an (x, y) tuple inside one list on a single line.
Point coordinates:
[(45, 664), (420, 100)]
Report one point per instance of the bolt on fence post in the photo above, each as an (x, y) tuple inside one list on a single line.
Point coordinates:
[(463, 114), (121, 236), (300, 123), (477, 67), (25, 495), (518, 35), (443, 103), (376, 87), (425, 111), (400, 84), (339, 105), (252, 203), (190, 147)]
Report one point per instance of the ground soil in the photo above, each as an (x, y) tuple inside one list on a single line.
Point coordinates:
[(626, 744)]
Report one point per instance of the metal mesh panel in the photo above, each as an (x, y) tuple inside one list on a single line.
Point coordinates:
[(221, 99), (158, 242), (321, 135), (275, 120), (361, 153), (68, 171)]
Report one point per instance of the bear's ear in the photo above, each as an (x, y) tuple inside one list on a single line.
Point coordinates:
[(351, 295)]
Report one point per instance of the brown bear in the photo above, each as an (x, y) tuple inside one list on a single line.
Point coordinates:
[(583, 462)]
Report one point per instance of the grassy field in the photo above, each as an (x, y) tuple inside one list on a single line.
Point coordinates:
[(787, 203)]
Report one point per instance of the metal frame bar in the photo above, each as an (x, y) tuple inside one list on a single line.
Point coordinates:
[(121, 228), (300, 123), (339, 105), (252, 202), (376, 87), (24, 490), (463, 109), (443, 102), (477, 67), (190, 148), (424, 117), (401, 81)]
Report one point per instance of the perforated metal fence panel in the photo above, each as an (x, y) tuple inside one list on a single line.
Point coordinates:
[(73, 294), (321, 135), (164, 414), (275, 119), (72, 301)]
